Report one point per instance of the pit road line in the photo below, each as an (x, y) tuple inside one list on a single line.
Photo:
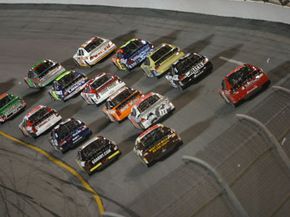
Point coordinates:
[(63, 165)]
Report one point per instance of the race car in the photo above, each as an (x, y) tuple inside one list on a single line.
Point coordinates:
[(39, 120), (69, 134), (150, 108), (43, 73), (119, 105), (93, 51), (188, 69), (160, 60), (132, 53), (156, 143), (68, 85), (101, 87), (242, 83), (10, 106), (97, 153)]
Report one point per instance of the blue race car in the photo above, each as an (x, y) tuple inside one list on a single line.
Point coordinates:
[(69, 134), (67, 85), (132, 53)]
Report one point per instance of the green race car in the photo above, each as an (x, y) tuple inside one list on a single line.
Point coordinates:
[(10, 105), (43, 73)]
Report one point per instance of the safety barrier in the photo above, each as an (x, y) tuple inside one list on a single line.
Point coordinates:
[(227, 8)]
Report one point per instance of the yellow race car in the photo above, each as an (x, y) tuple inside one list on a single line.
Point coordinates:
[(160, 60)]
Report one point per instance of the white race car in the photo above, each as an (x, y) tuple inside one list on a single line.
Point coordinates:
[(40, 119), (101, 87), (93, 50), (150, 109)]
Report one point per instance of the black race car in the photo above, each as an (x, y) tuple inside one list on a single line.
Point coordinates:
[(188, 69), (69, 134), (97, 153), (155, 143)]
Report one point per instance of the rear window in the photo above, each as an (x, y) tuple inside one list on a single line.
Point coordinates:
[(67, 128), (186, 64), (120, 97), (5, 100), (100, 81), (65, 81), (160, 52), (240, 77), (154, 136), (41, 114), (148, 102), (132, 47), (41, 68), (98, 146), (93, 44)]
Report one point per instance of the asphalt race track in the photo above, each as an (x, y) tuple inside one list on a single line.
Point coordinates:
[(31, 33)]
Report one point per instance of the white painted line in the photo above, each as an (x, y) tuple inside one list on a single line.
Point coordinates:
[(232, 60)]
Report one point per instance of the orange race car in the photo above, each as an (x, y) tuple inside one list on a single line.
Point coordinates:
[(119, 105)]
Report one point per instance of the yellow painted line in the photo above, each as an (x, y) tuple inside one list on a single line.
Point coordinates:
[(62, 165)]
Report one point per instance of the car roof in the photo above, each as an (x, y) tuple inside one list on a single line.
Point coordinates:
[(238, 68), (149, 130), (83, 45), (128, 42), (144, 97), (63, 74), (90, 141), (34, 109)]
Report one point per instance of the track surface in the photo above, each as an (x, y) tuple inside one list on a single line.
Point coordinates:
[(30, 33)]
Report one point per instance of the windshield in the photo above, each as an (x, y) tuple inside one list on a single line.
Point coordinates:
[(160, 52), (67, 128), (93, 44), (4, 101), (96, 147), (39, 115), (120, 97), (131, 47), (100, 81), (42, 67), (154, 136), (187, 63), (148, 102)]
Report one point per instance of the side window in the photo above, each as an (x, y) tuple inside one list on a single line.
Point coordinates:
[(133, 113), (80, 52), (31, 74)]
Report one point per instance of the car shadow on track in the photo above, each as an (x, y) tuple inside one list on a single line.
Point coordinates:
[(34, 96), (186, 97), (69, 64), (169, 38), (195, 130), (99, 124), (199, 45), (279, 72), (7, 85), (121, 39), (228, 53), (71, 109)]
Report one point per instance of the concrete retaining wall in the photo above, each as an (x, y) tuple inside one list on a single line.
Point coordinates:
[(228, 8)]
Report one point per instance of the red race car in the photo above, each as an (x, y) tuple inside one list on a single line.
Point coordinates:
[(243, 82)]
